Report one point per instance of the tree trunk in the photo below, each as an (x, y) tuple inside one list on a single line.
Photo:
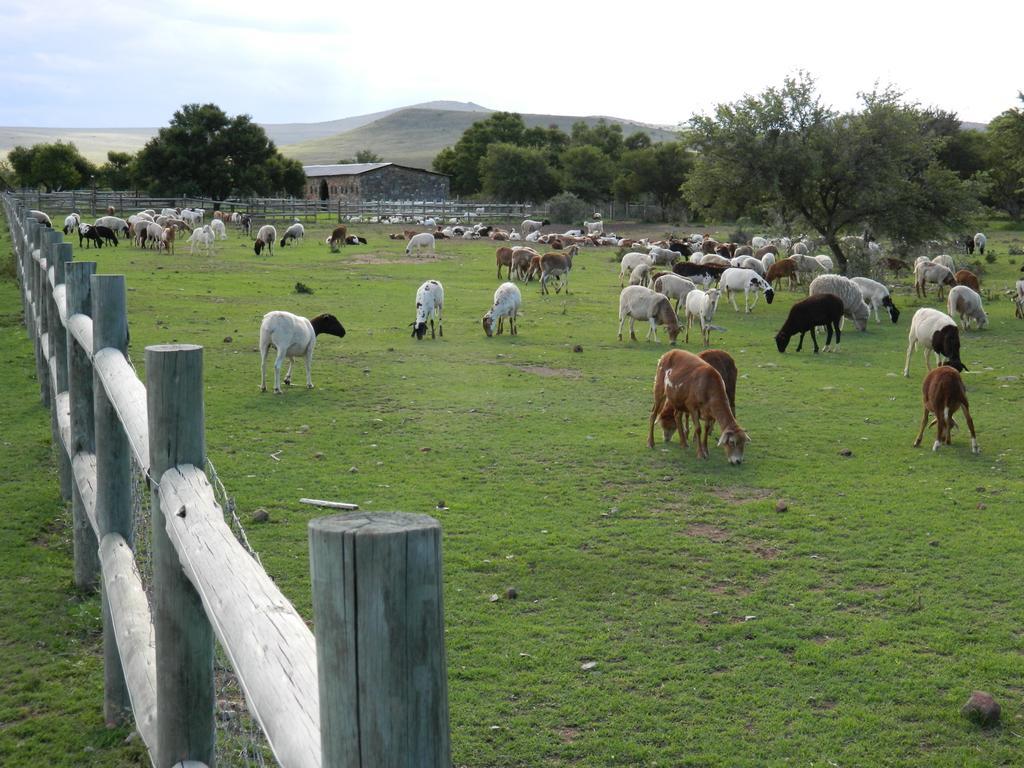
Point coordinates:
[(833, 243)]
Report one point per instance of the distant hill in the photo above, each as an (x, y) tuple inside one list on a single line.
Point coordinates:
[(413, 136)]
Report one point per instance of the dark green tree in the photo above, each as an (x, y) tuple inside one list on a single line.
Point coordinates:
[(587, 172), (53, 166), (517, 174), (363, 156), (205, 152), (462, 161), (638, 140), (606, 136), (658, 170), (1005, 161), (117, 172), (783, 153)]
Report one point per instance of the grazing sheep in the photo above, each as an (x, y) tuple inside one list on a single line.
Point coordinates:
[(167, 239), (674, 287), (896, 266), (699, 273), (853, 301), (702, 305), (217, 227), (936, 332), (557, 264), (522, 258), (749, 262), (693, 387), (530, 225), (968, 278), (979, 242), (825, 261), (945, 260), (337, 238), (641, 275), (664, 256), (87, 232), (265, 238), (420, 242), (41, 217), (639, 303), (202, 238), (928, 272), (503, 258), (71, 223), (507, 301), (429, 304), (294, 233), (292, 336), (116, 224), (822, 309), (944, 394), (1018, 301), (630, 262), (876, 295), (722, 362), (966, 303), (780, 269), (736, 279)]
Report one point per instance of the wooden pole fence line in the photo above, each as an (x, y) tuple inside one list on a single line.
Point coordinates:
[(369, 689)]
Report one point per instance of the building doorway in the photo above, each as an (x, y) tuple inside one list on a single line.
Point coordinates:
[(324, 192)]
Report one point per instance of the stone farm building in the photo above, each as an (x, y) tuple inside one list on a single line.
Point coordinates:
[(353, 182)]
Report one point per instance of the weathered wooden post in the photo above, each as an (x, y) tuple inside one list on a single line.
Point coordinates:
[(379, 614), (58, 253), (100, 432), (184, 638)]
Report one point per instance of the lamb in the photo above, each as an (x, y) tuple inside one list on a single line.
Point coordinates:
[(806, 265), (944, 394), (167, 239), (639, 303), (968, 278), (507, 301), (218, 229), (853, 301), (702, 305), (557, 264), (294, 233), (292, 336), (420, 242), (265, 238), (641, 275), (202, 238), (979, 242), (71, 223), (693, 387), (937, 332), (88, 232), (429, 304), (503, 258), (665, 256), (630, 262), (749, 262), (735, 279), (522, 257), (821, 309), (928, 272), (154, 234), (780, 269), (337, 237), (876, 295), (966, 303), (722, 362), (674, 287), (945, 260), (530, 225)]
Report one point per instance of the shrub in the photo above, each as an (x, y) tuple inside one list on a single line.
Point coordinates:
[(566, 207), (990, 258)]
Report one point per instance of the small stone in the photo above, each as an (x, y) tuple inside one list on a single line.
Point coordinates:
[(846, 452), (981, 505), (260, 515), (578, 348), (511, 593), (781, 506), (228, 339), (981, 709), (588, 665), (493, 598)]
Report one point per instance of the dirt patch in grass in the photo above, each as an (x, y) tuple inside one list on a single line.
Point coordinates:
[(568, 734), (369, 258), (543, 370), (764, 551), (707, 531), (741, 494)]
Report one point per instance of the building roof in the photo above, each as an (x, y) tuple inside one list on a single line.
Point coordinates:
[(354, 169)]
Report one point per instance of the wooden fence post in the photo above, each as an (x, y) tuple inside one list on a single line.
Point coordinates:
[(103, 297), (379, 614), (184, 637), (58, 253)]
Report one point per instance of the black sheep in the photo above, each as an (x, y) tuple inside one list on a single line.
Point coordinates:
[(820, 309)]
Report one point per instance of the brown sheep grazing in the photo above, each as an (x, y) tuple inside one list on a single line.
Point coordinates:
[(338, 237), (968, 278), (503, 258), (780, 269), (694, 387), (944, 394), (722, 362)]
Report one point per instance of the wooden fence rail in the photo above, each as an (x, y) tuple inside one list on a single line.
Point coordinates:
[(369, 689)]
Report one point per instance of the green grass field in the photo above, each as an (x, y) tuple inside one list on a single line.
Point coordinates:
[(845, 630)]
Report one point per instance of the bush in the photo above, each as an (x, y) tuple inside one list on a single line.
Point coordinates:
[(567, 208), (990, 258)]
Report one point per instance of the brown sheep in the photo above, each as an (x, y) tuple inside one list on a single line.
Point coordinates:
[(780, 269), (944, 394), (337, 237), (968, 278), (722, 362)]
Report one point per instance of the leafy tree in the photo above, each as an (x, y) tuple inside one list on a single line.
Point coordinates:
[(462, 161), (658, 170), (205, 152), (587, 172), (1005, 161), (962, 150), (117, 172), (53, 166), (783, 152), (7, 176), (363, 156), (553, 141), (517, 174), (606, 136), (638, 140)]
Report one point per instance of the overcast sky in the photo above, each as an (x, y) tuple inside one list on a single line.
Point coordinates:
[(107, 63)]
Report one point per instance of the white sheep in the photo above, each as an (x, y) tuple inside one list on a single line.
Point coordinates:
[(767, 260), (937, 332), (737, 279), (507, 301), (660, 255), (531, 226), (41, 217), (929, 272), (218, 229), (945, 260), (674, 287), (979, 242), (630, 262), (420, 242), (641, 275), (639, 303), (876, 295), (294, 233), (825, 261), (702, 305), (1018, 301), (292, 336), (202, 238), (853, 301), (429, 304), (265, 237), (71, 223), (749, 262), (965, 302)]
